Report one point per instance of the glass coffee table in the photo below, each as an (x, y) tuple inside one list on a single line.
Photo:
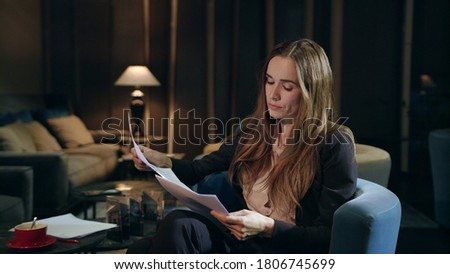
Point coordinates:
[(108, 244), (106, 192), (91, 194)]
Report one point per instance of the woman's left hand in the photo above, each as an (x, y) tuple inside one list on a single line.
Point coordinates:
[(244, 224)]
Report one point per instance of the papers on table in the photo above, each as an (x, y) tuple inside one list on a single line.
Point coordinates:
[(68, 226), (201, 203)]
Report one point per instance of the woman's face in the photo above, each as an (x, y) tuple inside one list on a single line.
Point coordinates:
[(283, 92)]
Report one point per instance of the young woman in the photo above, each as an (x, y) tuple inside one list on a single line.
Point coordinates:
[(289, 164)]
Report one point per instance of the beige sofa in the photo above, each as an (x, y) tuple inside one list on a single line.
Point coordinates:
[(63, 156)]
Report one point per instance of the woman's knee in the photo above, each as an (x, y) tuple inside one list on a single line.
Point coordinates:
[(175, 221), (180, 232)]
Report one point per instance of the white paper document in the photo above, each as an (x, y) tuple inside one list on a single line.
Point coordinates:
[(202, 203), (164, 172), (68, 226)]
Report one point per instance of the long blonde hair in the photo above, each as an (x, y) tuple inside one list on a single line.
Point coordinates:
[(294, 172)]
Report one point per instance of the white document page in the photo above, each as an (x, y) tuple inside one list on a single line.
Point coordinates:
[(164, 172), (202, 203)]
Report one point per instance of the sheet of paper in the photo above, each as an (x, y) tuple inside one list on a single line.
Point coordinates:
[(68, 226), (202, 203), (164, 172)]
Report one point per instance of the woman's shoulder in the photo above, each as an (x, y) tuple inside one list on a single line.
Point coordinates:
[(340, 138), (339, 135)]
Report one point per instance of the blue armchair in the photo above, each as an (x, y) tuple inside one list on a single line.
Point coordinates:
[(369, 223)]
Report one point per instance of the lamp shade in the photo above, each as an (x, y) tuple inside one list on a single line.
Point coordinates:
[(137, 76)]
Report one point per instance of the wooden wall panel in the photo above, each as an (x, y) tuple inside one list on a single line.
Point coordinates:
[(159, 63), (21, 60), (127, 48), (93, 57), (59, 49), (190, 85), (289, 20), (223, 57), (371, 78), (251, 54)]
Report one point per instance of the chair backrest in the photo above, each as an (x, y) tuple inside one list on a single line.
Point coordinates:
[(374, 164), (439, 146), (369, 223)]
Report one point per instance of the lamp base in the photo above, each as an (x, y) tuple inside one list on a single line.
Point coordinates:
[(137, 108)]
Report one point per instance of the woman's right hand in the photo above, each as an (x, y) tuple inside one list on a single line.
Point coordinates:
[(154, 157)]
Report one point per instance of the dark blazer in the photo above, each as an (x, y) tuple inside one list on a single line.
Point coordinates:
[(334, 184)]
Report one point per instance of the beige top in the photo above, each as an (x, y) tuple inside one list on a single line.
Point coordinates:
[(258, 200)]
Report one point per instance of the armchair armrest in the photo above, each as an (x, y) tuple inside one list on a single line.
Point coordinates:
[(18, 181), (50, 176)]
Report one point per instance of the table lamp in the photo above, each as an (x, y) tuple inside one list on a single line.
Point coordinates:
[(137, 76)]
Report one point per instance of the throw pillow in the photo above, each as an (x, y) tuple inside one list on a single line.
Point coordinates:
[(42, 139), (8, 140), (16, 137), (70, 131)]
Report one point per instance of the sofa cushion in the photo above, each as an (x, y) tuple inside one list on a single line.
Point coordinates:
[(16, 137), (8, 140), (91, 163), (42, 139), (85, 169), (70, 131), (109, 154)]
